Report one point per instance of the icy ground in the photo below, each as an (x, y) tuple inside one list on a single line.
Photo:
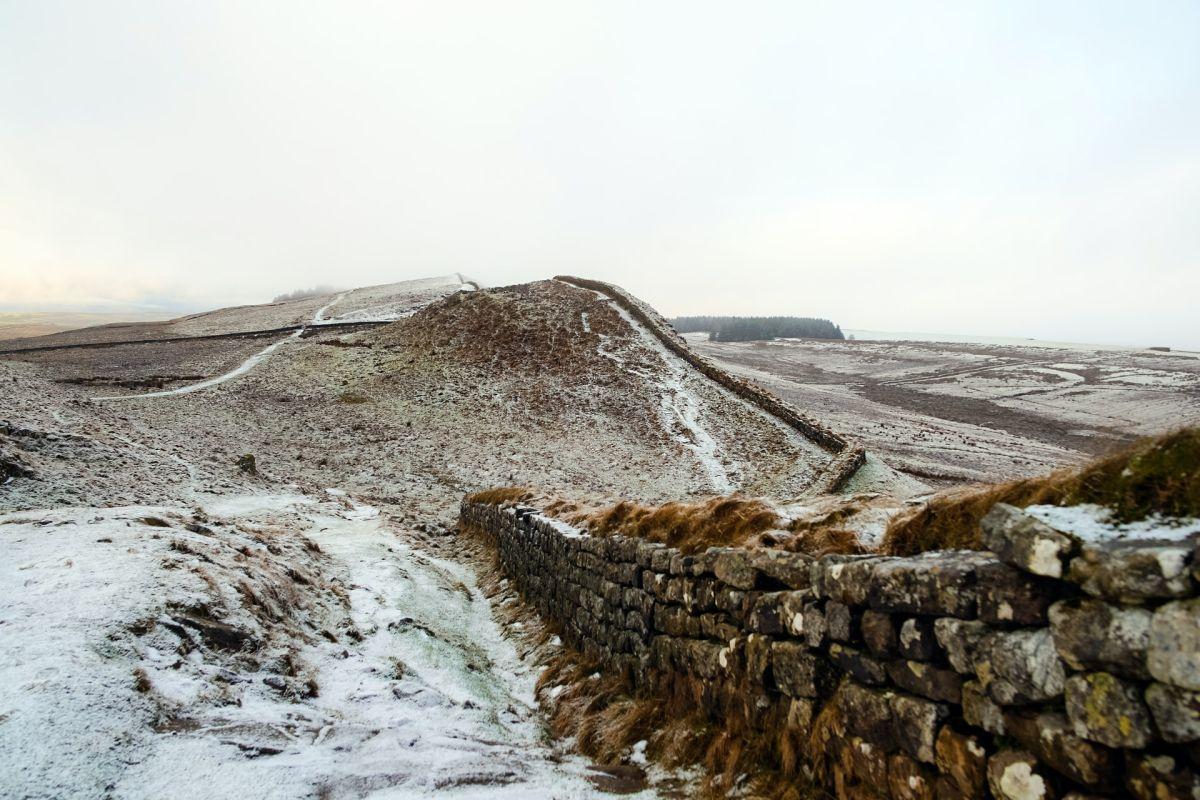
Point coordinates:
[(273, 645)]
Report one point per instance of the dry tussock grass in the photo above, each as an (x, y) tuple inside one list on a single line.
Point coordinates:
[(691, 527), (685, 721), (1159, 475), (503, 495)]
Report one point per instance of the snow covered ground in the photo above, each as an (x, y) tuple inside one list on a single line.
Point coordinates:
[(271, 645)]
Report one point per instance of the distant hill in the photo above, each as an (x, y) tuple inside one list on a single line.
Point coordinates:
[(751, 329), (21, 324)]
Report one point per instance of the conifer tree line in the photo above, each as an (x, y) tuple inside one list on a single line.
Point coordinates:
[(753, 329)]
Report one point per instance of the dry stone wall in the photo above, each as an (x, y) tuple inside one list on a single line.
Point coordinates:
[(1047, 667)]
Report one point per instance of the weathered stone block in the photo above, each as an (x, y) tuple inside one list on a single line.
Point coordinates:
[(1173, 651), (800, 673), (980, 710), (1132, 573), (1009, 596), (844, 578), (1025, 542), (915, 724), (1176, 711), (814, 624), (1091, 634), (941, 583), (1048, 735), (926, 680), (660, 559), (962, 757), (790, 570), (842, 624), (917, 639), (1019, 667), (879, 633), (863, 668), (959, 638), (1017, 775), (1105, 709), (732, 566)]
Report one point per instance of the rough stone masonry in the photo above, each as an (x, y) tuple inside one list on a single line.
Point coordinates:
[(1048, 667)]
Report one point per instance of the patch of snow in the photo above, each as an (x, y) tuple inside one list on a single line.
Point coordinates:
[(679, 404), (1094, 524)]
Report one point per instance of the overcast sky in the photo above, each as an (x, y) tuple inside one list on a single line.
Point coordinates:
[(1007, 168)]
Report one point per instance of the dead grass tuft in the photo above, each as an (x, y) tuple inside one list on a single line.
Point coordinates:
[(503, 495), (691, 527), (1153, 476)]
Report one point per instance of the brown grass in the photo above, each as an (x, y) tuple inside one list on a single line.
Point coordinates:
[(1159, 475), (691, 527), (503, 495), (684, 720)]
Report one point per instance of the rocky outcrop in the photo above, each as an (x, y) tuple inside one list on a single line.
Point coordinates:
[(1015, 672)]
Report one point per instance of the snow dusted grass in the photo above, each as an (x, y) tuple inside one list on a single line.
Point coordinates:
[(1154, 478)]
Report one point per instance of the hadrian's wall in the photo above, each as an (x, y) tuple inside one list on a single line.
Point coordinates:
[(1047, 667), (848, 455)]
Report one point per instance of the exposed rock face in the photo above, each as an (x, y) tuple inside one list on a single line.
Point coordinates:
[(930, 671)]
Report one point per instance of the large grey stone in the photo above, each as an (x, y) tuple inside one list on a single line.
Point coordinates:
[(1009, 596), (1025, 542), (733, 566), (1133, 573), (844, 578), (941, 583), (959, 638), (1176, 711), (1092, 634), (1103, 708), (1019, 667), (1173, 653), (842, 624), (790, 570)]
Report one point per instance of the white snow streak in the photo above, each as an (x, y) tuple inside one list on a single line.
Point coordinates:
[(678, 404)]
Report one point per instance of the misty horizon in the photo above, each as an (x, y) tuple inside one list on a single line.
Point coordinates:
[(991, 170)]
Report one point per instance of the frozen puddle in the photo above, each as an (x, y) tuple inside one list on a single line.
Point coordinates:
[(390, 680)]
